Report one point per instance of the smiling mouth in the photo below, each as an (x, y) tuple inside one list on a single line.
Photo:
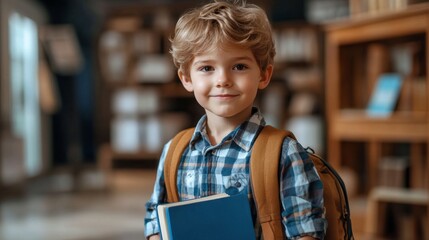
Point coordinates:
[(224, 96)]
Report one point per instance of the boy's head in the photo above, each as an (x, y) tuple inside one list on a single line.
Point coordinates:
[(219, 23)]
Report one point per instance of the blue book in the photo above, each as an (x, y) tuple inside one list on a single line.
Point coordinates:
[(210, 218), (385, 95)]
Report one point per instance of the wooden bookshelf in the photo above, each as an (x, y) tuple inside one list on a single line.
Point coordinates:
[(348, 125), (295, 94), (370, 7), (358, 50), (140, 101)]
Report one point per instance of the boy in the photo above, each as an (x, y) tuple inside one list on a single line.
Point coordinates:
[(224, 53)]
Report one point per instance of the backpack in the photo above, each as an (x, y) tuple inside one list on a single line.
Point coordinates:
[(265, 183)]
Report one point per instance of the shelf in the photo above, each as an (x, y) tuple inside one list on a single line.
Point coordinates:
[(401, 196), (175, 90), (167, 90), (107, 156), (139, 155), (367, 28), (358, 52), (357, 125), (381, 197)]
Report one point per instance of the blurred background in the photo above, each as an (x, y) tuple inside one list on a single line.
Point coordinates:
[(89, 95)]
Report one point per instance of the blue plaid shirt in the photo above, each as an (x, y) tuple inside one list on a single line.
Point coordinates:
[(206, 170)]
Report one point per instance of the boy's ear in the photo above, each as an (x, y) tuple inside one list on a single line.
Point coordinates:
[(186, 81), (266, 77)]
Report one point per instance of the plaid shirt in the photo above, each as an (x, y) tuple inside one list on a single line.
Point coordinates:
[(206, 170)]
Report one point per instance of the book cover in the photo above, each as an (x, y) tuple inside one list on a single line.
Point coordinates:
[(211, 218), (385, 95)]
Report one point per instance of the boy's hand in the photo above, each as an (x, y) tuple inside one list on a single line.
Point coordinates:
[(155, 237), (307, 238)]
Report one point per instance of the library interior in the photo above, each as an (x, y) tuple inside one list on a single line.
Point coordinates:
[(89, 95)]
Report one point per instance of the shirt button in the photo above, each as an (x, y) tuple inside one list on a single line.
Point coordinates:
[(237, 184)]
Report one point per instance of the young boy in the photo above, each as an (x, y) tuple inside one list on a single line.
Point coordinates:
[(224, 53)]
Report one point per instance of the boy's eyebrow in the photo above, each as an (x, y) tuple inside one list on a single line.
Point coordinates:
[(245, 58), (201, 62)]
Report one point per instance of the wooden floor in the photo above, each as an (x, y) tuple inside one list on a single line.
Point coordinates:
[(54, 210)]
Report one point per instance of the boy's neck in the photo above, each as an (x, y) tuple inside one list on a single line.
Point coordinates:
[(218, 127)]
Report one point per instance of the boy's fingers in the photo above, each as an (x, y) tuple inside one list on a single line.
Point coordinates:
[(154, 237)]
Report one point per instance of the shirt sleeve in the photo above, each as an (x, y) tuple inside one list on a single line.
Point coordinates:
[(301, 189), (158, 196)]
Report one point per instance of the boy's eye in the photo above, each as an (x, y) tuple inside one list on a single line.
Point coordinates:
[(240, 67), (206, 68)]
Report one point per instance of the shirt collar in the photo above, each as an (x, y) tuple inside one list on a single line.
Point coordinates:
[(244, 135)]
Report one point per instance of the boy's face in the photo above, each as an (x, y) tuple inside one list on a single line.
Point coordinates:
[(225, 81)]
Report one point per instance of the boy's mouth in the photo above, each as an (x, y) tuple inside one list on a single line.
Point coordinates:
[(224, 96)]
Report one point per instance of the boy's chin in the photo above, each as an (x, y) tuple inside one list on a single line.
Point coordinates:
[(229, 113)]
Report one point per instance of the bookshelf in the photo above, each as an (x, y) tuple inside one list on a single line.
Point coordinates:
[(141, 103), (298, 80), (358, 51), (369, 7)]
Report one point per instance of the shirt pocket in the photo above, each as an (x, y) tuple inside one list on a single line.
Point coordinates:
[(235, 183)]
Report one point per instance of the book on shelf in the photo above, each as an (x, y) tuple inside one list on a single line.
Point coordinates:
[(393, 171), (153, 68), (303, 104), (220, 216), (419, 93), (125, 134), (376, 63), (385, 95)]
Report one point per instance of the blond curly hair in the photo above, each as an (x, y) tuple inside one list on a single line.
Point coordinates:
[(222, 22)]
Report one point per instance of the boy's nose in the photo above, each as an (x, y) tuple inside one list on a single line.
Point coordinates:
[(223, 80)]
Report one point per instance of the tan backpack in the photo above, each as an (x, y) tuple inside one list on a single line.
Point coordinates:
[(264, 165)]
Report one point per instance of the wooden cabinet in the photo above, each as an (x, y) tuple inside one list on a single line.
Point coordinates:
[(358, 51)]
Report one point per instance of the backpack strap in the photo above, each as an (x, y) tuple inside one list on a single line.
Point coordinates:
[(264, 163), (172, 162)]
